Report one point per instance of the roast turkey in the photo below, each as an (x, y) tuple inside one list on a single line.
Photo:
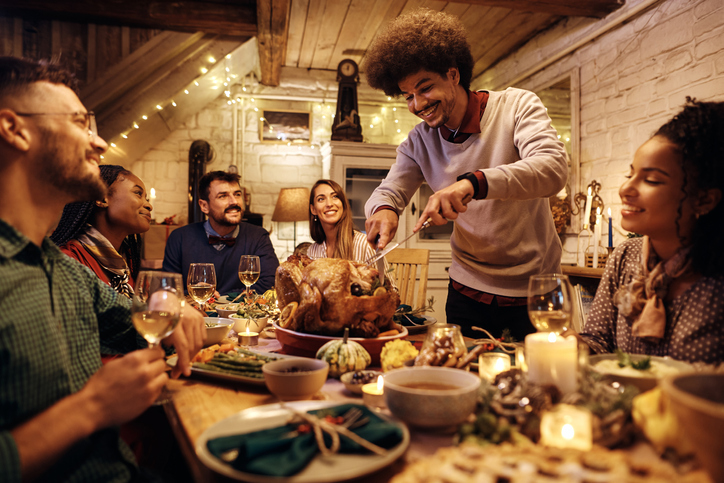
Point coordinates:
[(328, 294)]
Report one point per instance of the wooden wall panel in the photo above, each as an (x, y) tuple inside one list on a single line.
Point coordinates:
[(141, 36), (108, 48), (73, 48), (7, 29), (37, 39)]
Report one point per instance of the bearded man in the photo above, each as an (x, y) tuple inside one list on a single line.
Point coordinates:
[(223, 238)]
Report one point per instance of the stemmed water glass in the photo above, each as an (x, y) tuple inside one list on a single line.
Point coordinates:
[(550, 302), (249, 270), (156, 308), (201, 282)]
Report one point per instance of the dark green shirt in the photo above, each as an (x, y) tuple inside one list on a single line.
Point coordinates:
[(55, 318)]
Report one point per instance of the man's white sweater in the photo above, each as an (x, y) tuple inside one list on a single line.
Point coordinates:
[(500, 241)]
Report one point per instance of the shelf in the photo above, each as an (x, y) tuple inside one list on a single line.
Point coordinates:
[(587, 272)]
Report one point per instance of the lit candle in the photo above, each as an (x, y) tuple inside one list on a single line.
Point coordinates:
[(520, 358), (249, 338), (373, 394), (552, 359), (589, 203), (152, 196), (567, 426), (596, 237), (610, 230), (491, 364)]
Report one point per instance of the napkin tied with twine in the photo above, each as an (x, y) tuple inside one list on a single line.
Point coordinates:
[(641, 300), (273, 452)]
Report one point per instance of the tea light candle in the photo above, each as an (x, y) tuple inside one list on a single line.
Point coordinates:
[(373, 394), (553, 360), (249, 338), (491, 364), (520, 358), (567, 426)]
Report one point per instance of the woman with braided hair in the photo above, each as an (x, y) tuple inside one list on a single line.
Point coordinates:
[(663, 294), (104, 235)]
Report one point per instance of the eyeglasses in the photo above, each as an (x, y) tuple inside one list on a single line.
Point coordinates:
[(89, 119)]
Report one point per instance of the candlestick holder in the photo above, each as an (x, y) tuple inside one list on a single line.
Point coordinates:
[(581, 252), (579, 202)]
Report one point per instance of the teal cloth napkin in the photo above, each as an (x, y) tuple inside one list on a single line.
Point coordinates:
[(408, 319), (268, 452)]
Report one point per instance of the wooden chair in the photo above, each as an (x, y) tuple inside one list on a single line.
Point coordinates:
[(405, 262)]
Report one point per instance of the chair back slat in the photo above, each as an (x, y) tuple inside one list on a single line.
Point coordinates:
[(405, 262)]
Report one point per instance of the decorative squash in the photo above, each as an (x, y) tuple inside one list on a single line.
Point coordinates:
[(344, 356)]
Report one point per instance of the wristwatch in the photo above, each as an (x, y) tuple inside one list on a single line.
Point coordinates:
[(470, 176)]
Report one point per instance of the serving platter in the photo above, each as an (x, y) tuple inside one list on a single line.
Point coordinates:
[(219, 376), (643, 380), (322, 469), (420, 328), (306, 345)]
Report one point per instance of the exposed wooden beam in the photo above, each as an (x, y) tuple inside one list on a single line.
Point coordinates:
[(273, 19), (567, 8), (221, 17)]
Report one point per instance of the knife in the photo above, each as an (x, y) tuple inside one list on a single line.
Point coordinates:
[(381, 267), (380, 254)]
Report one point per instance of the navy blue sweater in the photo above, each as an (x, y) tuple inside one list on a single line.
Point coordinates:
[(189, 244)]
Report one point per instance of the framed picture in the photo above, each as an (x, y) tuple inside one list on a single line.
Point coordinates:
[(285, 126)]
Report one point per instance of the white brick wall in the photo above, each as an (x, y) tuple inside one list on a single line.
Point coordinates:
[(633, 79), (266, 167)]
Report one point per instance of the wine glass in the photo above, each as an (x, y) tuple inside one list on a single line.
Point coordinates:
[(249, 270), (550, 302), (201, 282), (156, 309)]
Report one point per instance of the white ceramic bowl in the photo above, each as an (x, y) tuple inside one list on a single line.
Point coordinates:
[(295, 377), (255, 325), (643, 380), (216, 329), (226, 310), (354, 385), (697, 400), (443, 407)]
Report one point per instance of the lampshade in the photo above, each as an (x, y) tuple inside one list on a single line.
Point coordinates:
[(292, 205)]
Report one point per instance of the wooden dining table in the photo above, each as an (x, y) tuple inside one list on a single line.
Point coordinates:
[(197, 403)]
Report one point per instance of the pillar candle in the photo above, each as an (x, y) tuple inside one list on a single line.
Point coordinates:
[(610, 230), (552, 359), (596, 237), (589, 203)]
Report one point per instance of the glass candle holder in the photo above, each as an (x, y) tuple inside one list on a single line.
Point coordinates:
[(443, 340)]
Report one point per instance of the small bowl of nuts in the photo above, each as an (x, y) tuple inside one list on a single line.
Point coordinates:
[(354, 381)]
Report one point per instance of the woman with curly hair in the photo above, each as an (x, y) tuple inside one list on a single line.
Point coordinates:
[(104, 235), (492, 160), (662, 294)]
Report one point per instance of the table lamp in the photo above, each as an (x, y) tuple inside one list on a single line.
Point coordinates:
[(292, 205)]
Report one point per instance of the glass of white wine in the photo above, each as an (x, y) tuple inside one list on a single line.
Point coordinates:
[(201, 282), (550, 302), (249, 270), (156, 308)]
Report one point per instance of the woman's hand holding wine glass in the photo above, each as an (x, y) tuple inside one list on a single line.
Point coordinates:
[(201, 282), (550, 305)]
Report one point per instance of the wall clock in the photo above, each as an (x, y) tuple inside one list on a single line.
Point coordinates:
[(346, 125)]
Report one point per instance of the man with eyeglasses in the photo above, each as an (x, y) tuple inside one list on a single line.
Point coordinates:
[(60, 408)]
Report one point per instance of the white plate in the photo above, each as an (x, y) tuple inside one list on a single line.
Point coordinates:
[(416, 329), (219, 376), (338, 467)]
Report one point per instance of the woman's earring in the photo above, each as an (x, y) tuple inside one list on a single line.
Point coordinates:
[(696, 215), (317, 219)]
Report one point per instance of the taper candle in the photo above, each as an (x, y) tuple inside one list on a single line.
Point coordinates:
[(610, 230), (596, 237), (589, 203)]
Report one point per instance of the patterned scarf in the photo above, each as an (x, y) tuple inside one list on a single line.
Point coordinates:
[(641, 301), (108, 258)]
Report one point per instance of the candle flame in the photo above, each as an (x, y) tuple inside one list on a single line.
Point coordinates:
[(499, 365), (598, 211), (380, 384), (247, 331), (552, 337), (589, 191), (568, 432), (609, 212)]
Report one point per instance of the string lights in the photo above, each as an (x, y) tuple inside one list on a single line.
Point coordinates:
[(324, 110)]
